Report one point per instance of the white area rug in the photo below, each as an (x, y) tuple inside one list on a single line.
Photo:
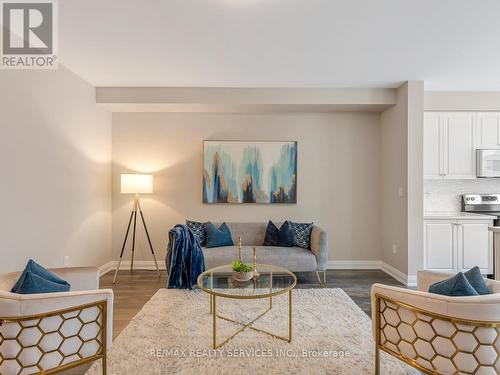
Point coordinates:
[(172, 334)]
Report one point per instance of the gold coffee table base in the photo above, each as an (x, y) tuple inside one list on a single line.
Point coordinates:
[(272, 282), (244, 326)]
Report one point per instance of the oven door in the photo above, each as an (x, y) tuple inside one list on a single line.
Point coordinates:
[(488, 163)]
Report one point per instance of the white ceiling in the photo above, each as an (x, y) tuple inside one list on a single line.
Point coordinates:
[(451, 44)]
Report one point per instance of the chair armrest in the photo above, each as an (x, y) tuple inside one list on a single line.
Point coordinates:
[(19, 305), (493, 285), (80, 278), (319, 247)]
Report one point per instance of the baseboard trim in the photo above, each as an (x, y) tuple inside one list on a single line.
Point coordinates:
[(373, 265), (106, 267), (410, 280), (125, 265), (394, 272), (353, 264)]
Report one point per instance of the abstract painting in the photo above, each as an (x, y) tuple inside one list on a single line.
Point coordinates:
[(249, 172)]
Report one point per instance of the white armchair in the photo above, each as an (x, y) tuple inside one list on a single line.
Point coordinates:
[(53, 332), (435, 333)]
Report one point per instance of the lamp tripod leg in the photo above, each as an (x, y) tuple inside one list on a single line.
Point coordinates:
[(133, 235), (123, 247), (149, 240)]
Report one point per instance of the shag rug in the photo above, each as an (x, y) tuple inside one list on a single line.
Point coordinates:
[(172, 334)]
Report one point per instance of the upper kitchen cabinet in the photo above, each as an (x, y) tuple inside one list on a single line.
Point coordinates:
[(459, 152), (488, 130), (432, 145), (449, 145)]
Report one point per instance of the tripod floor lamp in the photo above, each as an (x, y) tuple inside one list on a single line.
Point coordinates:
[(136, 184)]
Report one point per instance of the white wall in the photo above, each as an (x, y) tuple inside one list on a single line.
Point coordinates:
[(55, 153), (338, 174)]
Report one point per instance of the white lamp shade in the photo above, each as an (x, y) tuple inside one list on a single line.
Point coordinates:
[(136, 183)]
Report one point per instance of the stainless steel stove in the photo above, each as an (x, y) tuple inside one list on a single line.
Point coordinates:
[(488, 204)]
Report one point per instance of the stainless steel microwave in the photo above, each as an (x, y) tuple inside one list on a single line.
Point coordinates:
[(488, 163)]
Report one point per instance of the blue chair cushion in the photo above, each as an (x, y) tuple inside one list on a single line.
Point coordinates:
[(282, 237), (475, 279), (39, 271), (456, 286), (218, 237), (31, 283)]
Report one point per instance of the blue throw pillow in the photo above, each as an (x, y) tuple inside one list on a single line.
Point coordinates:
[(456, 286), (475, 279), (301, 234), (199, 230), (32, 283), (40, 271), (278, 237), (217, 237)]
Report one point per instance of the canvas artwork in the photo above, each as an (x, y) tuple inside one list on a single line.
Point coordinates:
[(249, 172)]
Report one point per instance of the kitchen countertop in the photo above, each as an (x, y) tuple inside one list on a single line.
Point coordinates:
[(494, 229), (457, 215)]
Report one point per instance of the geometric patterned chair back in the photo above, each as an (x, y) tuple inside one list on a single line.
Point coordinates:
[(433, 343), (55, 341)]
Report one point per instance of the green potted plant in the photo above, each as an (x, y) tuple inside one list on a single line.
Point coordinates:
[(241, 271)]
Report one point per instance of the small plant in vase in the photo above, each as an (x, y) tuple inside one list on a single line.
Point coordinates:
[(241, 271)]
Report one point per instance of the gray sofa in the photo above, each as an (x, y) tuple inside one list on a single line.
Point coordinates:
[(294, 259)]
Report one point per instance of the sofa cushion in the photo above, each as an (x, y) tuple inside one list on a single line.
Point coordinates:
[(217, 237), (294, 259), (278, 237), (250, 233)]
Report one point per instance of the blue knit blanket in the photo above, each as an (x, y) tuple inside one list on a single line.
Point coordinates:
[(185, 261)]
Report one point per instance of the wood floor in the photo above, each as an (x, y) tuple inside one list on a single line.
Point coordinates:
[(134, 289)]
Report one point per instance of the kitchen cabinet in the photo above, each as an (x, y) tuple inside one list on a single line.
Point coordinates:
[(449, 145), (488, 130), (453, 245), (439, 246), (432, 145), (475, 246), (459, 152)]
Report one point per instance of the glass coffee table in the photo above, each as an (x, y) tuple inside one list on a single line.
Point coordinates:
[(271, 282)]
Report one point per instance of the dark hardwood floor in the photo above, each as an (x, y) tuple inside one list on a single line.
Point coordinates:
[(134, 289)]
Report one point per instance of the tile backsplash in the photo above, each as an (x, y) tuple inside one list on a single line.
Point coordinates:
[(445, 195)]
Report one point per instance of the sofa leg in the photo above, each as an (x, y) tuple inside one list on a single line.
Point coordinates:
[(321, 281)]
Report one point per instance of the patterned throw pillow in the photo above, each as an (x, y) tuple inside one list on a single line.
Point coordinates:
[(199, 230), (301, 234)]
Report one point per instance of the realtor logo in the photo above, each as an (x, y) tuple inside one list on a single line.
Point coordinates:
[(29, 34)]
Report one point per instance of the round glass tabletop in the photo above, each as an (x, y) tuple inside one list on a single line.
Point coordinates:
[(272, 281)]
